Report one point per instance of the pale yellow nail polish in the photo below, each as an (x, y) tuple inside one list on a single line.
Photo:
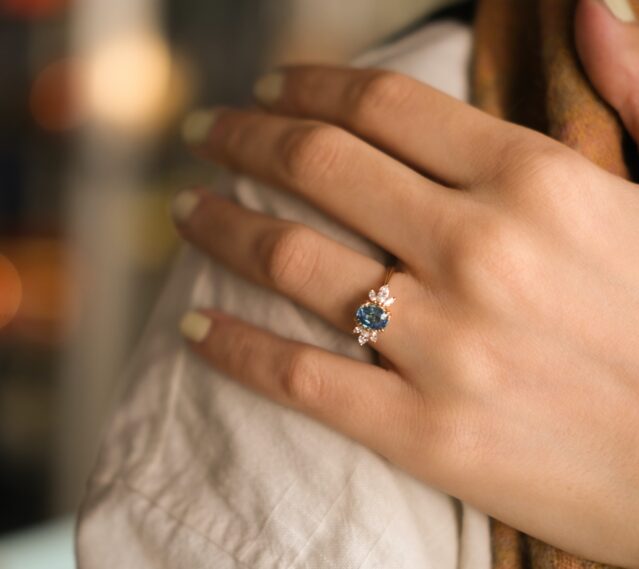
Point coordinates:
[(268, 88), (195, 326), (621, 9), (184, 204), (197, 126)]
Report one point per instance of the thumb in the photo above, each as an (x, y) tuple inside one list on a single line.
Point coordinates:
[(607, 38)]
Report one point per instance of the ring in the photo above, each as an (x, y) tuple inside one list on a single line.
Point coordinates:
[(372, 317)]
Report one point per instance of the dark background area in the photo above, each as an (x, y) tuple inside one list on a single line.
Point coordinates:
[(92, 95), (44, 130)]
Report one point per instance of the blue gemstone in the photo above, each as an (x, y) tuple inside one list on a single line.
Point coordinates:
[(372, 316)]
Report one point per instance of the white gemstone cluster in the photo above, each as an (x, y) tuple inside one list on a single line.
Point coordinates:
[(381, 298), (365, 335)]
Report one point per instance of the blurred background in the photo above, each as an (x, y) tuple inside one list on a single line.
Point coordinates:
[(91, 98)]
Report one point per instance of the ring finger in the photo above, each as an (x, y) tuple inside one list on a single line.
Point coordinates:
[(319, 273)]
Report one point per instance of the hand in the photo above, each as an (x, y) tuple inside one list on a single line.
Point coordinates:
[(511, 376)]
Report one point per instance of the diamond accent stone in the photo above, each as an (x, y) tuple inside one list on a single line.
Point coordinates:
[(383, 294)]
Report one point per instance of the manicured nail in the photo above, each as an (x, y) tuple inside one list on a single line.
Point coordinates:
[(268, 88), (184, 204), (195, 326), (621, 9), (197, 126)]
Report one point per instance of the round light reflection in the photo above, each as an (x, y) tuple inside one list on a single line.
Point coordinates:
[(127, 79)]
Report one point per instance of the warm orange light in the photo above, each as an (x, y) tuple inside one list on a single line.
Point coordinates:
[(52, 96), (47, 289), (31, 9), (10, 291)]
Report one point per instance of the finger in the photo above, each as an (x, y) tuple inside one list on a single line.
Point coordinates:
[(363, 401), (315, 271), (361, 186), (608, 45), (421, 126)]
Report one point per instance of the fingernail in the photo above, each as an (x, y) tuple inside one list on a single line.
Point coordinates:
[(184, 204), (195, 326), (621, 9), (197, 125), (268, 88)]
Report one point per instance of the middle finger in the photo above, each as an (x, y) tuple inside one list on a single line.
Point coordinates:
[(356, 183)]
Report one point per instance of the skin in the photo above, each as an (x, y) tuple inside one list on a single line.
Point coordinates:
[(510, 374)]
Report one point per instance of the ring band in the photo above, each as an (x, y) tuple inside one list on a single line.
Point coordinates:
[(372, 317)]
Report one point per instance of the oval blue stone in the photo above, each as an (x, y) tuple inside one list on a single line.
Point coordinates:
[(372, 316)]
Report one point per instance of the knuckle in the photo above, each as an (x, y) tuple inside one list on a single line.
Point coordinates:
[(237, 350), (290, 257), (545, 164), (377, 92), (238, 136), (475, 241), (489, 254), (537, 165), (311, 152), (303, 383), (552, 182)]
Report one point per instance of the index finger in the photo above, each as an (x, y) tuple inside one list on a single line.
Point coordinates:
[(418, 124)]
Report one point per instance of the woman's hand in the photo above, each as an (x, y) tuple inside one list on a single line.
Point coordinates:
[(511, 375)]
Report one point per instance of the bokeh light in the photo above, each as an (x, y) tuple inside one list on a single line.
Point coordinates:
[(126, 81), (10, 291), (45, 289)]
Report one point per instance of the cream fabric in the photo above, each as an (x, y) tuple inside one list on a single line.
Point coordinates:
[(198, 472)]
